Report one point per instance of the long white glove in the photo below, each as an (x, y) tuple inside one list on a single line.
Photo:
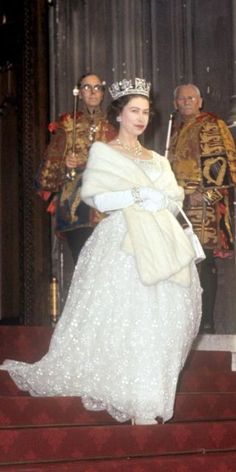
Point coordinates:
[(148, 198), (153, 200), (113, 200)]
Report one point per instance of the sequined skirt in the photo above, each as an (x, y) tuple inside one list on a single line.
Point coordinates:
[(119, 344)]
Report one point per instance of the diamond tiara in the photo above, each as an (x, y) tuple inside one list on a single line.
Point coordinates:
[(127, 87)]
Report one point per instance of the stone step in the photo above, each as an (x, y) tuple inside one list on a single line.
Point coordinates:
[(54, 411)]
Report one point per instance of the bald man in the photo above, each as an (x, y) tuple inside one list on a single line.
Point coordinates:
[(203, 157)]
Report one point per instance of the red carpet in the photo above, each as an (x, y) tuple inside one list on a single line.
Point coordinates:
[(58, 434)]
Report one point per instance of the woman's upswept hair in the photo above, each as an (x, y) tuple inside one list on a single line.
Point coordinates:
[(116, 107)]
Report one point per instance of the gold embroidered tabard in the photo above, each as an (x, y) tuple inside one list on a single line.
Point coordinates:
[(203, 158), (71, 212)]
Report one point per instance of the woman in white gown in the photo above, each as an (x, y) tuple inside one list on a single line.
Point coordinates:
[(134, 304)]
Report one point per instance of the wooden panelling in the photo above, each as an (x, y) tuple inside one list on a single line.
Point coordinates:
[(25, 226)]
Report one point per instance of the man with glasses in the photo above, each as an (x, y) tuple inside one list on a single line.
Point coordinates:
[(203, 157), (60, 174)]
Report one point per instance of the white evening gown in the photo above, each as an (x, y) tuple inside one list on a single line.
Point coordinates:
[(119, 345)]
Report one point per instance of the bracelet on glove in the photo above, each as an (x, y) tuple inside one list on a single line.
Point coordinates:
[(135, 192)]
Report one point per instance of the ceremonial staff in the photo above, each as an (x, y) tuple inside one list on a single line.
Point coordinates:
[(72, 172), (170, 123)]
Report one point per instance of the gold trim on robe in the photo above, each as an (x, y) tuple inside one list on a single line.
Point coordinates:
[(203, 157)]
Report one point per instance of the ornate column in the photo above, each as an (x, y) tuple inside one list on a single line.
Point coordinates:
[(232, 114), (34, 238)]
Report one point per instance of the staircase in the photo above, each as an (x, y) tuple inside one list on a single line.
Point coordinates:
[(58, 434)]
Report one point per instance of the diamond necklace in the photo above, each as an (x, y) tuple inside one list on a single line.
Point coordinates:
[(136, 150)]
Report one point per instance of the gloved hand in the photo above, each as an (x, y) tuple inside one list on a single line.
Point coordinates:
[(153, 200), (148, 198), (113, 200), (149, 205)]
